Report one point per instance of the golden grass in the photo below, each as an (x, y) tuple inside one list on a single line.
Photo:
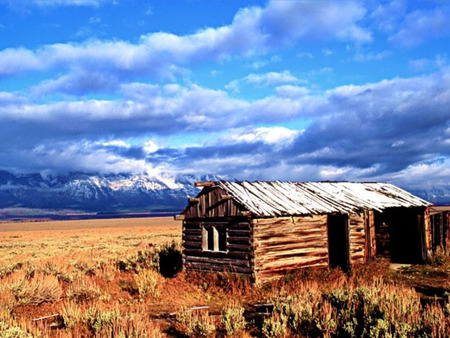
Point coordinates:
[(101, 277)]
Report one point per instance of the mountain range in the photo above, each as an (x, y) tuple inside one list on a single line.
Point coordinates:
[(95, 193), (113, 193)]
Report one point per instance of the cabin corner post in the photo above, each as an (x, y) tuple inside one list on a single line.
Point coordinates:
[(427, 237)]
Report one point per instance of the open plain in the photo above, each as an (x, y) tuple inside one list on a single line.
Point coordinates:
[(122, 278)]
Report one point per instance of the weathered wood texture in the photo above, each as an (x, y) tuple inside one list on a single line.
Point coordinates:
[(286, 243), (357, 238), (212, 202), (237, 258), (439, 228), (370, 246)]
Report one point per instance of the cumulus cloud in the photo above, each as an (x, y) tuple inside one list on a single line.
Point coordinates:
[(378, 131), (420, 25), (253, 30), (278, 136), (380, 128), (263, 80)]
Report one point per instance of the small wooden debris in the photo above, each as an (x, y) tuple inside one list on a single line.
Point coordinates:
[(46, 317)]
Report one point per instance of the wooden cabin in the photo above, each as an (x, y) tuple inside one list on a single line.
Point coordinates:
[(265, 229)]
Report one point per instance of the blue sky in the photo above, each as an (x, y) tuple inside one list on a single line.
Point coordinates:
[(289, 90)]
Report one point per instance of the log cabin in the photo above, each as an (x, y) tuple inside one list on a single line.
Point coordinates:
[(265, 229)]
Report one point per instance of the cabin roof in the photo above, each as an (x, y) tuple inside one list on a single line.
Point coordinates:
[(276, 198)]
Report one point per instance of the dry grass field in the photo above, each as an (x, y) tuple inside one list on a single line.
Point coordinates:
[(110, 278)]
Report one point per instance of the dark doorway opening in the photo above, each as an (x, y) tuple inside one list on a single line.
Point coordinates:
[(402, 237), (338, 242)]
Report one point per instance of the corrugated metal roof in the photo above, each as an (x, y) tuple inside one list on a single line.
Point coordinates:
[(276, 198)]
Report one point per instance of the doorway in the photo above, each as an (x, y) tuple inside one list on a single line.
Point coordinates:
[(338, 242), (400, 231)]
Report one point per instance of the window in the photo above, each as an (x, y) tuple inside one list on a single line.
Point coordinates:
[(214, 238)]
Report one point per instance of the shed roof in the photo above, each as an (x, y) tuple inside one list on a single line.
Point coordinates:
[(275, 198)]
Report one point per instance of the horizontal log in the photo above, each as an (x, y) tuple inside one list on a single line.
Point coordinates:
[(274, 231), (281, 246), (238, 232), (192, 238), (229, 254), (261, 259), (290, 238), (242, 247), (240, 225), (208, 267), (291, 264), (194, 232), (193, 200), (238, 239), (192, 244), (218, 261)]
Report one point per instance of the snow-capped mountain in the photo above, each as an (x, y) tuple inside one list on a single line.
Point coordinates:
[(96, 192), (439, 196)]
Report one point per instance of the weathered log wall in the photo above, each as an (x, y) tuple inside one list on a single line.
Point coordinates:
[(357, 238), (238, 256), (286, 243)]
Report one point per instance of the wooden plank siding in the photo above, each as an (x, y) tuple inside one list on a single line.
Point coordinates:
[(212, 203), (286, 243), (357, 238)]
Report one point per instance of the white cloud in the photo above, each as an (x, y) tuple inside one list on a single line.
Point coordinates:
[(264, 80), (150, 146), (253, 30), (420, 25), (116, 143), (270, 135), (290, 91)]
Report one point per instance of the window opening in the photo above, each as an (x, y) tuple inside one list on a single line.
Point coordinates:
[(214, 238)]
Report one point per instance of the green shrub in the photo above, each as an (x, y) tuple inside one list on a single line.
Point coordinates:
[(233, 320), (37, 290), (146, 259), (12, 331), (97, 320), (194, 323), (274, 326), (83, 290), (149, 283)]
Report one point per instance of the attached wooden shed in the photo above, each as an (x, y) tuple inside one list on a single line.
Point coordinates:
[(266, 229)]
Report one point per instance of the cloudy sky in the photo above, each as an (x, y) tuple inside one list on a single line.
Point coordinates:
[(290, 90)]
